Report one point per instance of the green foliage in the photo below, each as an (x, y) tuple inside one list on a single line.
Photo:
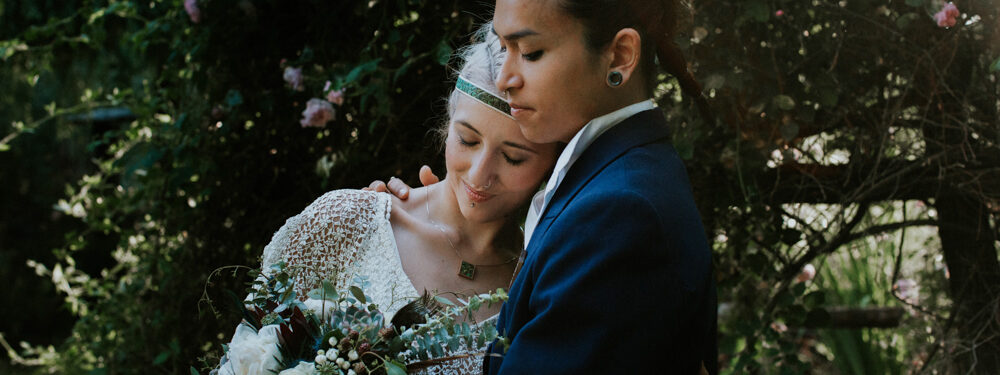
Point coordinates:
[(212, 159), (823, 109)]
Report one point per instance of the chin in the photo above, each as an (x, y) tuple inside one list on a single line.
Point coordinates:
[(534, 133), (480, 214)]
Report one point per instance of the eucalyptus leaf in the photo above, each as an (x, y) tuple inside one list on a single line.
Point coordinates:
[(444, 300), (784, 102), (394, 368), (360, 295)]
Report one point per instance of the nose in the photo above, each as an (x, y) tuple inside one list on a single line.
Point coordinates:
[(482, 172), (509, 78)]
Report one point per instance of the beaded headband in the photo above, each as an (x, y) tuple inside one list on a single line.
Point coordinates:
[(481, 95)]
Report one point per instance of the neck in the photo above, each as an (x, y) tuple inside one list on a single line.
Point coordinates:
[(476, 241)]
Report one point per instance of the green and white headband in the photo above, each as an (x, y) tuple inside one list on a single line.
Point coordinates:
[(482, 95)]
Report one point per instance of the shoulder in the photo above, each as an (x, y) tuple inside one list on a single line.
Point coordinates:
[(352, 204)]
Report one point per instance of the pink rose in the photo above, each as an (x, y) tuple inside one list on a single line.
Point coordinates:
[(808, 273), (336, 97), (294, 78), (779, 13), (318, 112), (191, 6), (948, 15)]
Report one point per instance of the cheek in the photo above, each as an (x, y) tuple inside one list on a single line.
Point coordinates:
[(454, 158), (525, 181)]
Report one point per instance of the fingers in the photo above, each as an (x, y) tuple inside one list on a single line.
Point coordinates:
[(398, 188), (427, 177), (376, 186)]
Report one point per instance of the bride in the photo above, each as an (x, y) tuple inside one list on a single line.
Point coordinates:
[(456, 238)]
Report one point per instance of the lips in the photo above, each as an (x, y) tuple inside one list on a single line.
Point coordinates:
[(476, 196), (518, 110)]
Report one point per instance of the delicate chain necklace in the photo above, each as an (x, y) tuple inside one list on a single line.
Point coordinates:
[(466, 270)]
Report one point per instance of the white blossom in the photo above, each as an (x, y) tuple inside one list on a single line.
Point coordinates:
[(304, 368), (252, 352)]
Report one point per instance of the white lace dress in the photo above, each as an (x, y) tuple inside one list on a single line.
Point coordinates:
[(346, 233)]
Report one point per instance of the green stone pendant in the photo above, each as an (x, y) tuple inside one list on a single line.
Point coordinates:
[(468, 270)]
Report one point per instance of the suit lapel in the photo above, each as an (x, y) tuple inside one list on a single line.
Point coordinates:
[(642, 128)]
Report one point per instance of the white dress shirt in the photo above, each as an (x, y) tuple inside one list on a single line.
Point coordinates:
[(573, 150)]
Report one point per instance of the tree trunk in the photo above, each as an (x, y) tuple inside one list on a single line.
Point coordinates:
[(969, 245)]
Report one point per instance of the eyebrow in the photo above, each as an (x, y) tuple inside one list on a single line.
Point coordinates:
[(508, 143), (516, 35)]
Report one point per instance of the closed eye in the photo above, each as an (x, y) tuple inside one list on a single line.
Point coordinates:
[(533, 56), (465, 143), (512, 161)]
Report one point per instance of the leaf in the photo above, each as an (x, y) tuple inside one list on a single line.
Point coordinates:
[(359, 70), (995, 66), (161, 358), (444, 300), (358, 293), (394, 368), (784, 102), (194, 371)]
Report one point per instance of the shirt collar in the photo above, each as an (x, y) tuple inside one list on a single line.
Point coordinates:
[(583, 138)]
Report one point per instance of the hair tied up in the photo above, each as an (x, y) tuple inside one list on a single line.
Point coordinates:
[(672, 60)]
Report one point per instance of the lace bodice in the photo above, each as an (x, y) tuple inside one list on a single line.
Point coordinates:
[(347, 233), (343, 234)]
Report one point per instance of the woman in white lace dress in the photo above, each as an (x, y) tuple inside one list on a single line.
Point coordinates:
[(456, 238)]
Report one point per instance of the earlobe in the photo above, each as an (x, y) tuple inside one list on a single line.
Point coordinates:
[(626, 49)]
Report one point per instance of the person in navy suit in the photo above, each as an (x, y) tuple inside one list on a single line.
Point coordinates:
[(617, 276), (617, 272)]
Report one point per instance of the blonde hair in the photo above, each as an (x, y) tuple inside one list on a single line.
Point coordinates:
[(480, 64)]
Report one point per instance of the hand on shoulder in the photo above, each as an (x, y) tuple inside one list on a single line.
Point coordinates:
[(399, 188)]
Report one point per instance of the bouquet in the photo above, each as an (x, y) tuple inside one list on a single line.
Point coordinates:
[(342, 333)]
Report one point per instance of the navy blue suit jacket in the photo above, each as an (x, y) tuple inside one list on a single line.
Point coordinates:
[(618, 274)]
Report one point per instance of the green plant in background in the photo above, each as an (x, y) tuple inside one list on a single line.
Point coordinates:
[(238, 113)]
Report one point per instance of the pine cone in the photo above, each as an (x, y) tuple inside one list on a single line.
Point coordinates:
[(387, 332), (365, 347), (344, 345)]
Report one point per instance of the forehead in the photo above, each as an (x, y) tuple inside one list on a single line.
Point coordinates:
[(542, 16), (488, 121)]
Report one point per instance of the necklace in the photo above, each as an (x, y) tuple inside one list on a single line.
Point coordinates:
[(465, 270)]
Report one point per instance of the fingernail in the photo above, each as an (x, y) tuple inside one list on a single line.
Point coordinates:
[(404, 191)]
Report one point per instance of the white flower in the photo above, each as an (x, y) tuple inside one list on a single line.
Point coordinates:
[(344, 365), (304, 368), (332, 354), (320, 307), (320, 359), (353, 355), (333, 340), (808, 273), (340, 361), (320, 352), (253, 352), (351, 372)]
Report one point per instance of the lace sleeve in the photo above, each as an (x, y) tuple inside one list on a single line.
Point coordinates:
[(325, 238)]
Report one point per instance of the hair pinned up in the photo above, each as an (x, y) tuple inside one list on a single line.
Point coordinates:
[(656, 22)]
